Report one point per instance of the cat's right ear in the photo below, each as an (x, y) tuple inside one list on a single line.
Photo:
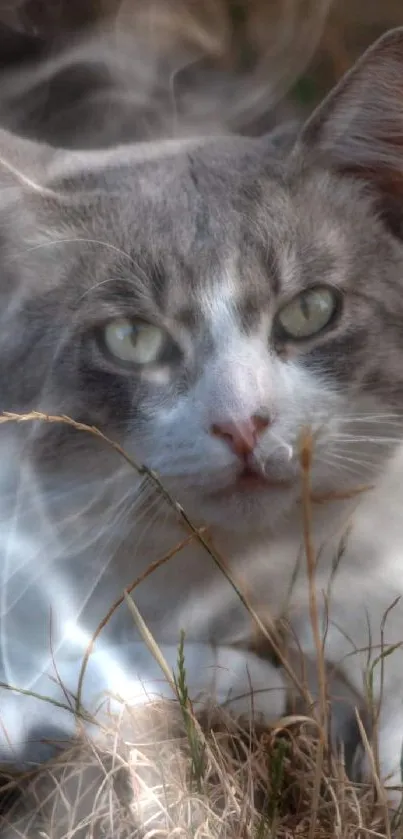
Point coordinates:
[(358, 130)]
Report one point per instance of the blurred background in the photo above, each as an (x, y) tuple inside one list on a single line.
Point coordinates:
[(243, 65)]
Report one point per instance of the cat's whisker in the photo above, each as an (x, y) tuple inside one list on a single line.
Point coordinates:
[(74, 241), (364, 445), (153, 512), (340, 467), (113, 281), (357, 438), (345, 459), (348, 455), (370, 418), (111, 535), (129, 502)]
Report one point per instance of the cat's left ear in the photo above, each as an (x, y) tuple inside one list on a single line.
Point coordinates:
[(358, 129)]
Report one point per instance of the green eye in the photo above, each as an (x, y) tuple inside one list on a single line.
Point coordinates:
[(133, 343), (308, 313)]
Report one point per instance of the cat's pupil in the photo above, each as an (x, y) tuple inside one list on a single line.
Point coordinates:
[(305, 307)]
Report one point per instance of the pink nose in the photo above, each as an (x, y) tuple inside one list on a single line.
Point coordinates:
[(241, 436)]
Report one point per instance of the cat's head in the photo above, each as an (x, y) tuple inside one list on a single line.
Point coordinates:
[(205, 301)]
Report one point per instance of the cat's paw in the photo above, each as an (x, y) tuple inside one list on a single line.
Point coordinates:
[(237, 679), (389, 752)]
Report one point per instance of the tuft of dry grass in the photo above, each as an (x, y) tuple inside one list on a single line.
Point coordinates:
[(138, 781)]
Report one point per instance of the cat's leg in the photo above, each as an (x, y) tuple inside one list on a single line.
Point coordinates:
[(350, 668), (389, 750), (236, 678), (343, 704), (247, 684), (240, 680), (383, 724), (346, 707)]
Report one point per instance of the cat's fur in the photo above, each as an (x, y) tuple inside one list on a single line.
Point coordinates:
[(207, 238)]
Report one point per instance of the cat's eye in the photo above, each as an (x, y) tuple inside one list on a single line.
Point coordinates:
[(133, 342), (307, 314)]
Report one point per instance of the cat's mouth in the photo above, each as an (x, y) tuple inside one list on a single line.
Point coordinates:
[(252, 480)]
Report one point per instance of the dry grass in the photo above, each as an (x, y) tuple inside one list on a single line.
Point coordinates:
[(253, 785)]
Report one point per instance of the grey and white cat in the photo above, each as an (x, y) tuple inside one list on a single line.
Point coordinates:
[(202, 301)]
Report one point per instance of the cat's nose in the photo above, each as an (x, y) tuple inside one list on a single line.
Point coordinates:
[(242, 436)]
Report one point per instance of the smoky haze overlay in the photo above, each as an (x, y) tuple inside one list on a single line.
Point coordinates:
[(157, 70)]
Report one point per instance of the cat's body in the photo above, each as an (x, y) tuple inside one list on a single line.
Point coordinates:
[(204, 604), (152, 291)]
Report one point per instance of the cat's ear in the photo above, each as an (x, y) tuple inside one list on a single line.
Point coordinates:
[(358, 129)]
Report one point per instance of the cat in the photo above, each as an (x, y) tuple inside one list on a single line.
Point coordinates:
[(202, 301)]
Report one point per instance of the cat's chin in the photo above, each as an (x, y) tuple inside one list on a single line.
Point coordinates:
[(249, 505)]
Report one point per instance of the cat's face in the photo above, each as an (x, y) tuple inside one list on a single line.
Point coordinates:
[(208, 304)]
